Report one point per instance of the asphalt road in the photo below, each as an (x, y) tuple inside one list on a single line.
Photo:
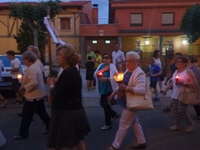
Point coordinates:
[(155, 125)]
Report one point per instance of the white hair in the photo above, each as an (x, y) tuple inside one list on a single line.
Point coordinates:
[(133, 54)]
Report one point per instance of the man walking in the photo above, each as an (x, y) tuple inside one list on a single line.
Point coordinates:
[(118, 57), (15, 70)]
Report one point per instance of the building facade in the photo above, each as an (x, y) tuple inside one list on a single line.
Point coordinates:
[(151, 23)]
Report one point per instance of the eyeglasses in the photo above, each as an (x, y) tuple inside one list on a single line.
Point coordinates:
[(106, 57), (179, 61), (129, 61)]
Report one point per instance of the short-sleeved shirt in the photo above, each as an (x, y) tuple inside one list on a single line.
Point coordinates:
[(89, 67), (98, 61), (90, 54), (117, 56), (154, 69), (15, 63)]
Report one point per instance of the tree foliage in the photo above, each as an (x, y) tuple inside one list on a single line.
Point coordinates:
[(32, 30), (190, 23)]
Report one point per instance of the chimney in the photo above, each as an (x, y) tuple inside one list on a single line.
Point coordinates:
[(95, 14)]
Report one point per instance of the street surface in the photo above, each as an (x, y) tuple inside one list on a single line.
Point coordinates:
[(155, 124)]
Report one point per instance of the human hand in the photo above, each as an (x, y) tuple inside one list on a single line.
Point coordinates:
[(50, 80), (122, 86), (164, 92), (21, 89), (103, 79), (178, 83), (50, 100), (110, 98)]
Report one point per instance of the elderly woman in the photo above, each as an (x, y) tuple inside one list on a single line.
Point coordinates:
[(105, 84), (35, 50), (68, 125), (33, 87), (179, 110), (134, 83)]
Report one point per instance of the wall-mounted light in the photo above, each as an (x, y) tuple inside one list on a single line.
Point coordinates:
[(94, 41), (184, 42), (107, 41), (147, 42)]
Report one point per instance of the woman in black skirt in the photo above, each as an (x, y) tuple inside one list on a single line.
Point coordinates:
[(68, 124)]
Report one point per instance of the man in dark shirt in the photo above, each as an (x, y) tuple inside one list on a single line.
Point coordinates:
[(89, 73)]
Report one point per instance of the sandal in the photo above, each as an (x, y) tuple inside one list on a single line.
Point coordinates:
[(18, 137)]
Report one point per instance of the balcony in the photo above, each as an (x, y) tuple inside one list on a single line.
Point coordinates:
[(102, 21)]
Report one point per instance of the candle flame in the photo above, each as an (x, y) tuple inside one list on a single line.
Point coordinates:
[(119, 77), (19, 76)]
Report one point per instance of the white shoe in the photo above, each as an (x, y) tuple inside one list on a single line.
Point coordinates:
[(190, 128), (106, 127), (175, 128)]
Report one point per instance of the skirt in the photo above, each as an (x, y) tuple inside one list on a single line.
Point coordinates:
[(67, 128)]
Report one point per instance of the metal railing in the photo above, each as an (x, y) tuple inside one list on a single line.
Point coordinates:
[(86, 20)]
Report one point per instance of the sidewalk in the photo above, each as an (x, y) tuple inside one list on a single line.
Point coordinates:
[(91, 99)]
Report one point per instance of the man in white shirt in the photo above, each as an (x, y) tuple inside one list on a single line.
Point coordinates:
[(15, 71), (118, 57)]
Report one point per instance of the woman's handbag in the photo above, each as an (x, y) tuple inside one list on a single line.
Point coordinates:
[(141, 102), (189, 98), (2, 139), (190, 95)]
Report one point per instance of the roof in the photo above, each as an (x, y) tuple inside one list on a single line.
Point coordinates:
[(69, 4)]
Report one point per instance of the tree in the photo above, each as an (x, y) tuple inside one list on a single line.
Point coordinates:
[(190, 23), (32, 29)]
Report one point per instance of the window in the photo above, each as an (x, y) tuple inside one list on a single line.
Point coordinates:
[(65, 23), (167, 19), (136, 19)]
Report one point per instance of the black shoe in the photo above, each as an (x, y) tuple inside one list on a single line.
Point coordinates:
[(166, 110), (19, 114), (17, 102), (139, 146), (45, 132)]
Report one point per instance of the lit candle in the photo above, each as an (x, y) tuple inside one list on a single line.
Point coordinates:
[(19, 77), (119, 77), (177, 78), (100, 74)]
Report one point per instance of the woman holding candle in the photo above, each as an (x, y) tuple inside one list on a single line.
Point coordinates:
[(34, 91), (105, 84), (134, 83), (180, 80)]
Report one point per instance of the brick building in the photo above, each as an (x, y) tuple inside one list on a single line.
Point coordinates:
[(154, 23)]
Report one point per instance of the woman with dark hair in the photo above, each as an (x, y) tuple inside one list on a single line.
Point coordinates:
[(68, 124), (156, 57), (105, 84), (179, 109), (193, 67)]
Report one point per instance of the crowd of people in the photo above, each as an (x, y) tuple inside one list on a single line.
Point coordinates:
[(67, 125)]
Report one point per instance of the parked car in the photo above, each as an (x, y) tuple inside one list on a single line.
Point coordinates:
[(6, 76)]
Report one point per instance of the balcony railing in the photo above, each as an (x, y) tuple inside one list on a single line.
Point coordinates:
[(86, 20)]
